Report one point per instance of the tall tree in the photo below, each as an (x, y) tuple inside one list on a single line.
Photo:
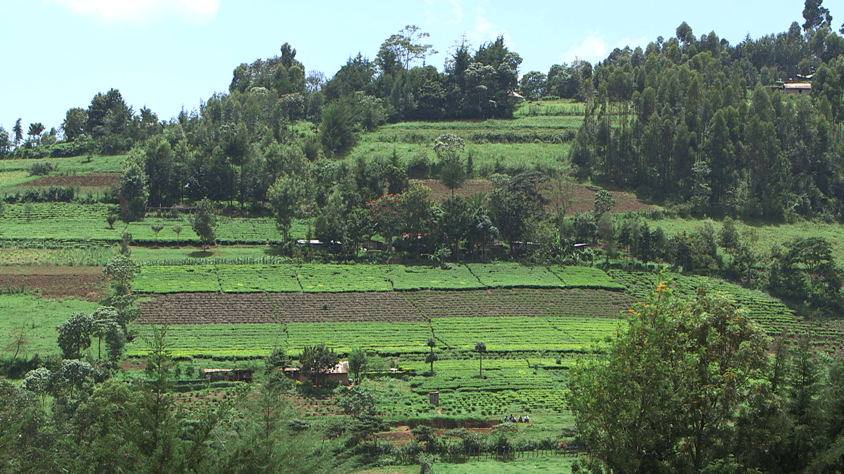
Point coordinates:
[(35, 130), (816, 15), (448, 148), (18, 131), (406, 46), (289, 198), (75, 335), (204, 223)]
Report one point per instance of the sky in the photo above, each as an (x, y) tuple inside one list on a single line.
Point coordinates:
[(170, 54)]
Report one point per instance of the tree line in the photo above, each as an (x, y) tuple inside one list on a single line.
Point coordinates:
[(707, 126), (695, 386)]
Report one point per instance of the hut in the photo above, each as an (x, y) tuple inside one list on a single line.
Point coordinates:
[(229, 375)]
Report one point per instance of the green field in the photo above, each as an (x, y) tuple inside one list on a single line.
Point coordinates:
[(767, 235), (70, 166), (38, 318), (342, 278)]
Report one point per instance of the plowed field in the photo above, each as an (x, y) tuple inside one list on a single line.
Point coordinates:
[(263, 308), (583, 198), (93, 180), (57, 282)]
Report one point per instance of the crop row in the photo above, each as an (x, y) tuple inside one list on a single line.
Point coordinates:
[(501, 334), (773, 315), (343, 278)]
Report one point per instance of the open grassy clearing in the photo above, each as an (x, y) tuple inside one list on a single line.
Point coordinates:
[(75, 221), (71, 165), (768, 235), (38, 318), (544, 465)]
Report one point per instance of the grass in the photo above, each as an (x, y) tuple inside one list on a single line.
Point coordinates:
[(342, 278), (530, 465), (767, 235), (39, 318), (71, 165)]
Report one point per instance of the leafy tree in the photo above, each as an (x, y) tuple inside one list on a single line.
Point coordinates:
[(75, 335), (515, 207), (289, 198), (358, 362), (5, 142), (816, 15), (604, 202), (480, 348), (156, 228), (451, 169), (121, 271), (317, 361), (455, 222), (74, 123), (73, 377), (532, 85), (204, 223), (177, 229), (672, 386), (405, 47), (132, 189), (35, 130), (37, 381), (386, 213), (106, 326), (336, 132), (358, 401)]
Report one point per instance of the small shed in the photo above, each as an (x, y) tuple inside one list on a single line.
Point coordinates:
[(229, 375)]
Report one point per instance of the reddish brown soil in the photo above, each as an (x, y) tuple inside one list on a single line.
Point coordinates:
[(93, 180), (225, 308), (583, 197), (57, 282), (246, 308), (399, 437), (132, 364)]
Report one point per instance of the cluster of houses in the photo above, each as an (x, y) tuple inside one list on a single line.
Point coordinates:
[(340, 373)]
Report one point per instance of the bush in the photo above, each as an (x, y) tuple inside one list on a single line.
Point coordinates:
[(41, 168)]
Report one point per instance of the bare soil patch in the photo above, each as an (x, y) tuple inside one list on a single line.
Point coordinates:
[(583, 196), (93, 180), (57, 282), (260, 308)]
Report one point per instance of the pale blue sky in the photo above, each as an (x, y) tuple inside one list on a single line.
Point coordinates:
[(57, 54)]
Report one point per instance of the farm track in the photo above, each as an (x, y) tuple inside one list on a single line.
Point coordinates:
[(412, 306)]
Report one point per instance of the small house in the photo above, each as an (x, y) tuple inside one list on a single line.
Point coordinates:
[(793, 88), (229, 375), (340, 373)]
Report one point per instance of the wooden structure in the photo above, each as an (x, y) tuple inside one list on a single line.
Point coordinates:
[(229, 375), (340, 373)]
